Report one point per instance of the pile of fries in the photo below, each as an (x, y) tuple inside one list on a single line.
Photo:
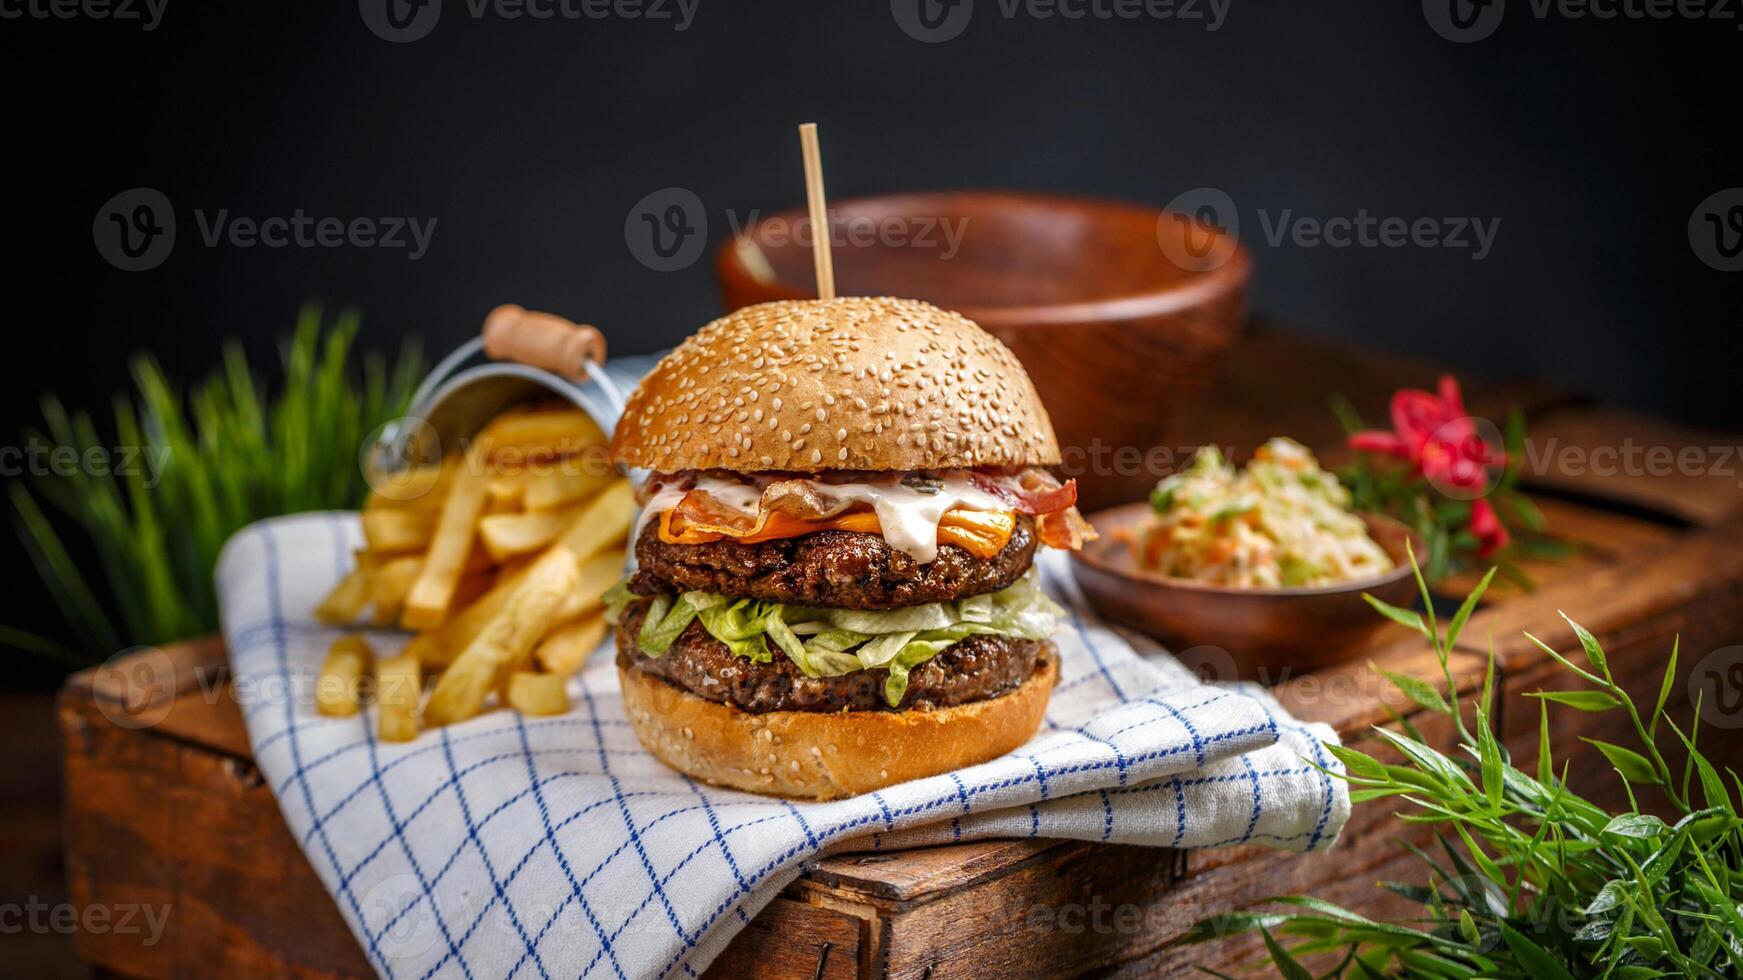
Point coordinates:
[(498, 558)]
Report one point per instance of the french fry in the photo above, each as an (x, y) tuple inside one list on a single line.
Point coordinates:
[(538, 694), (345, 603), (425, 649), (413, 488), (472, 585), (598, 575), (508, 491), (338, 689), (507, 535), (540, 432), (427, 603), (461, 629), (398, 529), (563, 487), (388, 585), (603, 522), (398, 684), (567, 647), (438, 648), (504, 641)]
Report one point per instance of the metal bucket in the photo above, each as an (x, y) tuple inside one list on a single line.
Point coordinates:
[(484, 377)]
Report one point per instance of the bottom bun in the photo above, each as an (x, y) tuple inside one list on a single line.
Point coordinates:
[(823, 756)]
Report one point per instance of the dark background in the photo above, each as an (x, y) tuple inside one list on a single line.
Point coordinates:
[(530, 140)]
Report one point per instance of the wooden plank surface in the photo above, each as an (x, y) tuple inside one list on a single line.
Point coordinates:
[(210, 838)]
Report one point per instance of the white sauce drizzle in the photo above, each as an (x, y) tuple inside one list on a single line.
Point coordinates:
[(909, 517)]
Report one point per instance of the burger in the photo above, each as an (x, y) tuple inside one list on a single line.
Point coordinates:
[(834, 586)]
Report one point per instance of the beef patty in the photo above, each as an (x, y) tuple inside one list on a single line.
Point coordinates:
[(834, 569), (976, 669)]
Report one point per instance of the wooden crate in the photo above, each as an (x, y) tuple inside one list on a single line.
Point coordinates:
[(176, 814)]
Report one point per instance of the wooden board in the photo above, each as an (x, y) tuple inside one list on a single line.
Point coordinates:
[(175, 813)]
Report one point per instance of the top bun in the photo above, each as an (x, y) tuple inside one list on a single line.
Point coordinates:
[(854, 383)]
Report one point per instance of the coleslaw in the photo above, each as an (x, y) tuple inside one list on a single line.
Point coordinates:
[(1282, 522)]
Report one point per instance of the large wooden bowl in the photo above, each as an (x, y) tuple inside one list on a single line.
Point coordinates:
[(1258, 634), (1116, 334)]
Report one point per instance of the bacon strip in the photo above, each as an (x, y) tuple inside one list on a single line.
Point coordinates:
[(701, 512), (1065, 529), (1036, 492)]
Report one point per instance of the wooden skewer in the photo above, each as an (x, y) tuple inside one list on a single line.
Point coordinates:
[(819, 211)]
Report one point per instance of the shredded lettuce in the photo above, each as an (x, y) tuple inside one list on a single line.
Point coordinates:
[(830, 642)]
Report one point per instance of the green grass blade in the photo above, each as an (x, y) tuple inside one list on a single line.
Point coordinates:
[(66, 585)]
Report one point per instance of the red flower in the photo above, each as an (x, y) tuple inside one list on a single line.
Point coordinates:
[(1438, 438), (1491, 534)]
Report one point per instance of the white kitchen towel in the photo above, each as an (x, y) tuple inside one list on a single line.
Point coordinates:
[(509, 846)]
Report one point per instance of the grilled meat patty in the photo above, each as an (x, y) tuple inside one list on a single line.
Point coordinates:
[(834, 569), (977, 669)]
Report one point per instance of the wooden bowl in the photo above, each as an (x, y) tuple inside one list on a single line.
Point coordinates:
[(1266, 634), (1116, 334)]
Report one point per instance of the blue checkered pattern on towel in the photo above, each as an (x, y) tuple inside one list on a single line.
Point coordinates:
[(555, 847)]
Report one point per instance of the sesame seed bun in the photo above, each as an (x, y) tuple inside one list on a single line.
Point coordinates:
[(854, 383), (823, 755)]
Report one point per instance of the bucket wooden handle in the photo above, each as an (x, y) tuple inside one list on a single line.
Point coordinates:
[(542, 340)]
